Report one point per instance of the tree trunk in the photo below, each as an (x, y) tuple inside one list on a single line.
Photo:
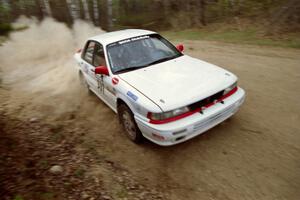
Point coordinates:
[(109, 15), (86, 10), (202, 14), (46, 8)]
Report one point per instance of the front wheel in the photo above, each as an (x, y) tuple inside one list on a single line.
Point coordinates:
[(129, 125)]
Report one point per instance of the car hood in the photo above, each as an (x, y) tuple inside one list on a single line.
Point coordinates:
[(179, 82)]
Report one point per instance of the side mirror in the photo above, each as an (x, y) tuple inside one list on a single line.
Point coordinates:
[(180, 47), (101, 70)]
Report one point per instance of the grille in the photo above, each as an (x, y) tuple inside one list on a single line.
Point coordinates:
[(215, 118), (206, 101)]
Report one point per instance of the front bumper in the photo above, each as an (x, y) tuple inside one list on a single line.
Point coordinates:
[(191, 126)]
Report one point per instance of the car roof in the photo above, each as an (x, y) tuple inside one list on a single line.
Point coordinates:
[(110, 37)]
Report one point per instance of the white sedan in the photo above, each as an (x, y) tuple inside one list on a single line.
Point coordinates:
[(158, 92)]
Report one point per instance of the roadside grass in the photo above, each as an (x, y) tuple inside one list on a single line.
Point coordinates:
[(5, 35), (79, 172), (47, 196), (121, 193), (43, 163), (246, 36), (2, 40), (18, 197), (20, 27)]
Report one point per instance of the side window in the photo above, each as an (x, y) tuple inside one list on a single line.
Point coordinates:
[(88, 53), (94, 54), (99, 58)]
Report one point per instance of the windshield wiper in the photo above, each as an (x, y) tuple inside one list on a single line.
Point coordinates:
[(162, 60), (148, 64), (128, 69)]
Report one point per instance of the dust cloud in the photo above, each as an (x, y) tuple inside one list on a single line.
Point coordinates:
[(40, 57), (38, 61)]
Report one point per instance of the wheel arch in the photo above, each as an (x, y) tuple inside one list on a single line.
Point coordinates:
[(121, 101)]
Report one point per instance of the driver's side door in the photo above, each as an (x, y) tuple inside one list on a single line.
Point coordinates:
[(94, 56)]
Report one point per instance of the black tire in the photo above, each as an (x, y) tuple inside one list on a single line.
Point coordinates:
[(129, 125)]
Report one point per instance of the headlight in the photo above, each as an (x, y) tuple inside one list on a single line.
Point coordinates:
[(231, 87), (169, 114)]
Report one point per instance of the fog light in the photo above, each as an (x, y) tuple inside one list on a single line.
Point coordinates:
[(158, 136), (178, 132), (179, 138)]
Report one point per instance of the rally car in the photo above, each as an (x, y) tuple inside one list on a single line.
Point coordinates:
[(158, 92)]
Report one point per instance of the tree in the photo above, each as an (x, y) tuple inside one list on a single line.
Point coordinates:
[(202, 12)]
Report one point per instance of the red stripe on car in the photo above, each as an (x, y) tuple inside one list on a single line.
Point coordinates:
[(153, 121)]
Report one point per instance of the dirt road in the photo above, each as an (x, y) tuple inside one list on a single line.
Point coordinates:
[(253, 155)]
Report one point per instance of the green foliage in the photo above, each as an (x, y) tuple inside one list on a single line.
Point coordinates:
[(4, 10), (5, 28), (79, 172), (44, 164), (47, 196), (139, 14), (18, 197), (121, 193), (226, 9)]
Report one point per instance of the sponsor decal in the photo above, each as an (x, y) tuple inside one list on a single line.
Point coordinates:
[(128, 40), (115, 81), (134, 39), (132, 96)]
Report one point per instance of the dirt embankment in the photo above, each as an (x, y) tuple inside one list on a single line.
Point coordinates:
[(254, 155), (45, 161)]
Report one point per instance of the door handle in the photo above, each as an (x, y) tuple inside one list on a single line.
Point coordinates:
[(92, 70)]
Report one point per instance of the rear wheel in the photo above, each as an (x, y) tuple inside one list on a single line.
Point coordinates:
[(129, 125)]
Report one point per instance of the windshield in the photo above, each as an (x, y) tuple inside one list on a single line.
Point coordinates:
[(138, 52)]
